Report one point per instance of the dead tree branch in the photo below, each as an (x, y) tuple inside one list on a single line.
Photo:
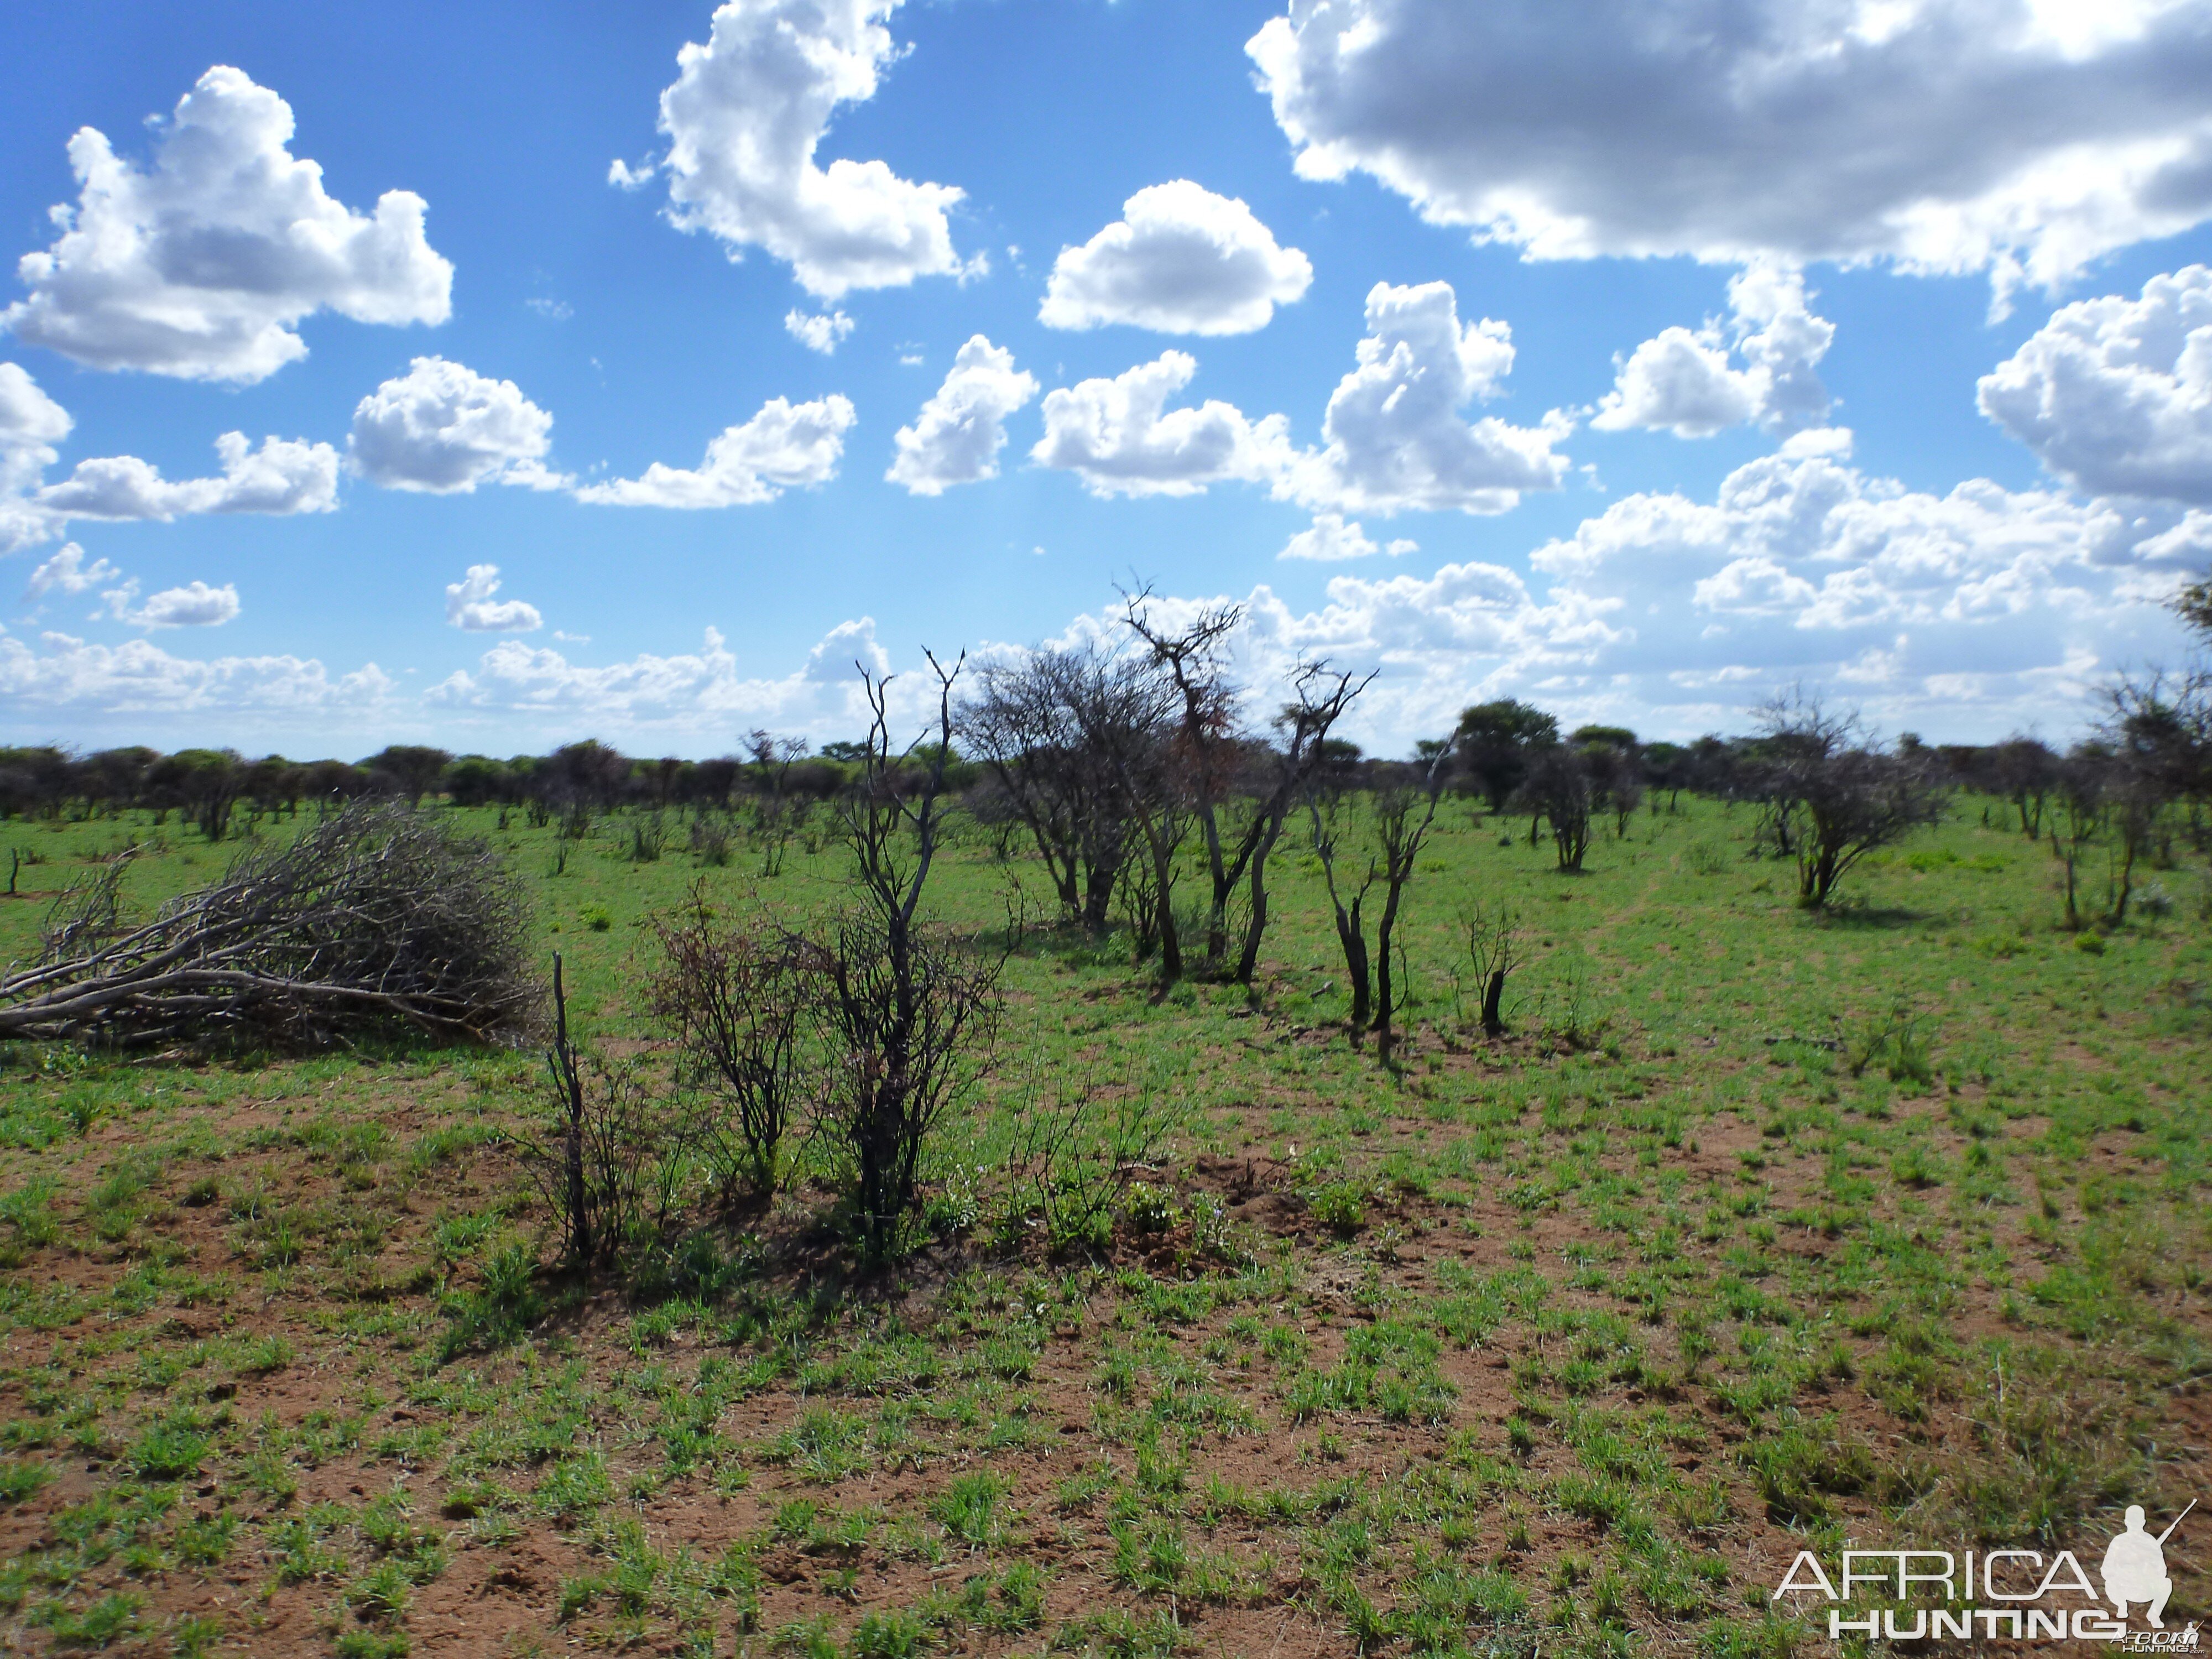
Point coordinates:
[(378, 915)]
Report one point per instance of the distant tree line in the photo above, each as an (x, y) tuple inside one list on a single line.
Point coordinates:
[(212, 789)]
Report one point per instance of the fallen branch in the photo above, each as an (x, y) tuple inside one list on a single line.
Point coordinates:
[(379, 915)]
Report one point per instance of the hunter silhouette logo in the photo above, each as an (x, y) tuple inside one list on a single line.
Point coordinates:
[(2135, 1567), (2020, 1596)]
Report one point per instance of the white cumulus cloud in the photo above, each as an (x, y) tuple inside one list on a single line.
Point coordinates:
[(202, 264), (2115, 395), (958, 436), (139, 679), (705, 691), (195, 604), (1979, 603), (744, 119), (785, 446), (1180, 260), (442, 428), (2026, 137), (1683, 382), (1969, 613), (283, 475), (1330, 538), (1120, 438), (470, 605), (1395, 437), (820, 333), (66, 571), (31, 424)]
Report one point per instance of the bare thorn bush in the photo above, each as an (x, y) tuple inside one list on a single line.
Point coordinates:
[(376, 916), (740, 1001)]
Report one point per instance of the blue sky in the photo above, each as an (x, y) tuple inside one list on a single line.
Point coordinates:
[(1863, 344)]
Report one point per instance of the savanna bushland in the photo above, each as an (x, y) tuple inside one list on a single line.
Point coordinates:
[(1123, 1176)]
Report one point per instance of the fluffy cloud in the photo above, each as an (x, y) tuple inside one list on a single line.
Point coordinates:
[(2024, 137), (785, 447), (821, 333), (469, 604), (193, 605), (959, 435), (67, 573), (744, 119), (1804, 566), (702, 691), (442, 428), (1682, 382), (2115, 395), (1969, 613), (139, 679), (1119, 436), (282, 476), (1393, 436), (1181, 260), (1330, 538), (201, 265), (31, 424)]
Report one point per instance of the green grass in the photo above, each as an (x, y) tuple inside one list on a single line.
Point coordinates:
[(1761, 1229)]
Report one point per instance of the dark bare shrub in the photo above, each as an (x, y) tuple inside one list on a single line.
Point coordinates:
[(1830, 797), (710, 841), (1072, 1160), (1400, 814), (606, 1151), (910, 1021), (1560, 790), (912, 1024), (1493, 932), (740, 1001)]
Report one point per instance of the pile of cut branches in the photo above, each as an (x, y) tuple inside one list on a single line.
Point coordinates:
[(379, 916)]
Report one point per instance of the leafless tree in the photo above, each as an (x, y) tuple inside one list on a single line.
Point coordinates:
[(912, 1020), (1331, 808), (1054, 729), (607, 1152), (1405, 808), (1493, 933), (2157, 733), (2025, 771), (2080, 808), (1615, 762), (914, 1024), (1399, 813), (778, 810), (1197, 768), (1558, 789), (1320, 696), (1839, 797)]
